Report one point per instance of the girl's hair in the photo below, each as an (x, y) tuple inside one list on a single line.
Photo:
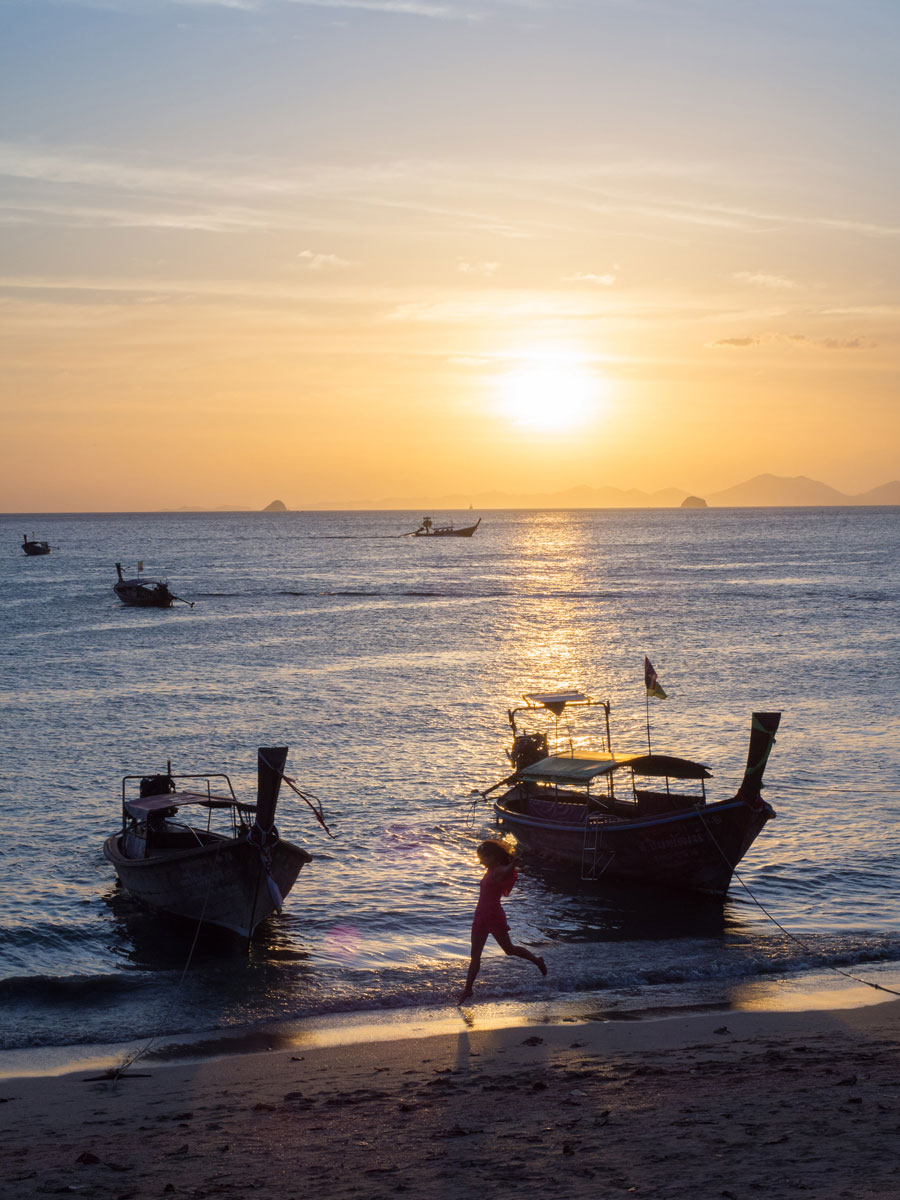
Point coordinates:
[(497, 851)]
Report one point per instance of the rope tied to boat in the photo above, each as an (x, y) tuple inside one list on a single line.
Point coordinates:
[(878, 987), (115, 1073), (312, 801)]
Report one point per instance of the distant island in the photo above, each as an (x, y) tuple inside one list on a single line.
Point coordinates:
[(762, 491)]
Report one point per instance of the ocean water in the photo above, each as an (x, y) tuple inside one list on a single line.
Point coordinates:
[(387, 664)]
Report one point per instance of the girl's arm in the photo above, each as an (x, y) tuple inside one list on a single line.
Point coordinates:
[(501, 872)]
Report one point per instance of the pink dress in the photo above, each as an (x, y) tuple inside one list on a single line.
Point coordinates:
[(489, 915)]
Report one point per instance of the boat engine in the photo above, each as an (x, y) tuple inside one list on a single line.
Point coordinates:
[(528, 748), (157, 785)]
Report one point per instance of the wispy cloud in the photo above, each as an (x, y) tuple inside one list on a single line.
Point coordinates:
[(798, 339), (406, 8), (486, 199), (760, 279), (606, 280), (439, 11), (485, 269), (323, 262), (830, 343)]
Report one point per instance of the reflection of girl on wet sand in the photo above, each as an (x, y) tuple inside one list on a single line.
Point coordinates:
[(499, 876)]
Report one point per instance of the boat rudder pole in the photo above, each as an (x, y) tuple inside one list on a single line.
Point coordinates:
[(270, 764), (763, 727)]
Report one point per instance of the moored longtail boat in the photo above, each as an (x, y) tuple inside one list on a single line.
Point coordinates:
[(142, 592), (33, 546), (632, 816), (232, 879)]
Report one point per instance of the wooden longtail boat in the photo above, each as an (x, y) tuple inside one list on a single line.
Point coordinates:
[(142, 592), (33, 547), (232, 879), (641, 817), (429, 529)]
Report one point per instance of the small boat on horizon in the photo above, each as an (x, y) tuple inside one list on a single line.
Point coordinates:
[(142, 592), (33, 546), (630, 816), (429, 529), (232, 879)]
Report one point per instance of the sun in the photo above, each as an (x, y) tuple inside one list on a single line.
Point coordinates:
[(549, 394)]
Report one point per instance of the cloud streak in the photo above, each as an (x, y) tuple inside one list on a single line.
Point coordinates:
[(495, 199), (797, 339)]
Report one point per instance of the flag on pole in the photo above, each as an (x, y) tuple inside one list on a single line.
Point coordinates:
[(651, 680)]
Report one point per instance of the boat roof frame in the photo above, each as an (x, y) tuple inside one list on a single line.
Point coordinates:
[(143, 805), (557, 702)]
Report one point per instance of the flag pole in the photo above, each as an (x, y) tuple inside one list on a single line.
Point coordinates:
[(651, 684), (647, 704)]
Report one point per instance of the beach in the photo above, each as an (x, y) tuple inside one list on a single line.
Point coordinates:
[(719, 1104)]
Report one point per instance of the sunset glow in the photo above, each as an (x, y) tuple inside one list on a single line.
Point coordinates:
[(349, 286)]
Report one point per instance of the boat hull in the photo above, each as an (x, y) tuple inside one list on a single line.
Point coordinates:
[(35, 548), (222, 883), (695, 849), (447, 533), (140, 595)]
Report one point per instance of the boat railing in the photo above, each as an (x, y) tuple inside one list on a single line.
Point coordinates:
[(207, 779), (560, 734)]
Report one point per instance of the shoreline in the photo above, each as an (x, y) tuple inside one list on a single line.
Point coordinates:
[(737, 1104), (812, 992)]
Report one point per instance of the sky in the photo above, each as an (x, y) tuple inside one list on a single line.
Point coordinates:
[(337, 251)]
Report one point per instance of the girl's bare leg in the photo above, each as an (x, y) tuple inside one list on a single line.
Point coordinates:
[(505, 943), (479, 937)]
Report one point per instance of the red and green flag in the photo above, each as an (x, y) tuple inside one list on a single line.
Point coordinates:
[(651, 680)]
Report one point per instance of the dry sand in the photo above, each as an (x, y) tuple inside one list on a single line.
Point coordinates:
[(734, 1105)]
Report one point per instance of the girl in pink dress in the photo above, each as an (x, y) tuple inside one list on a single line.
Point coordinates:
[(499, 876)]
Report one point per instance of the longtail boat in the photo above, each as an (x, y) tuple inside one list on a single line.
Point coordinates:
[(142, 592), (232, 879), (429, 529), (33, 546), (632, 816)]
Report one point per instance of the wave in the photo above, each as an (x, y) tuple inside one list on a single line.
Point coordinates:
[(68, 989)]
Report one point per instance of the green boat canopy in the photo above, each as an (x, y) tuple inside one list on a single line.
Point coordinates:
[(585, 767), (564, 769)]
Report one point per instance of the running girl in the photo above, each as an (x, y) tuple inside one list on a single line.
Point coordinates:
[(499, 876)]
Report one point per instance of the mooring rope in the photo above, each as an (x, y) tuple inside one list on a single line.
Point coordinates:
[(130, 1060), (314, 803), (879, 987)]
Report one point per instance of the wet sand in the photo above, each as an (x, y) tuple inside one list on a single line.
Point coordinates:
[(733, 1105)]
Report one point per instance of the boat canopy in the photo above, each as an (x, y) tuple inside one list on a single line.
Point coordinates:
[(581, 769), (142, 807), (668, 765), (558, 768), (556, 701)]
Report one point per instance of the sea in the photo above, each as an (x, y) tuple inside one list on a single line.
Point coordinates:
[(387, 664)]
